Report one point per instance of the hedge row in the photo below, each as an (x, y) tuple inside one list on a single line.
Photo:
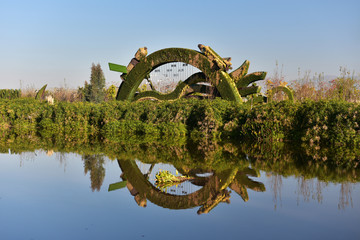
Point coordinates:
[(10, 93), (315, 123)]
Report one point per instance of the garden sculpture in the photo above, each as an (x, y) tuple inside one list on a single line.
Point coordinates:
[(40, 94), (233, 86)]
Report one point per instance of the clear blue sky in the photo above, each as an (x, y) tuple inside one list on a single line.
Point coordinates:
[(49, 41)]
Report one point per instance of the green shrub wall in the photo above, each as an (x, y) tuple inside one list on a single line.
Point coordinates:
[(315, 123), (10, 93)]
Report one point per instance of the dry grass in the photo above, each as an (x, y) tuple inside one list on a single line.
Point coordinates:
[(28, 92), (59, 94), (346, 87), (65, 94)]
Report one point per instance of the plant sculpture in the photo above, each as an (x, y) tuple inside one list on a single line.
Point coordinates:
[(233, 86), (40, 94), (214, 70), (285, 89)]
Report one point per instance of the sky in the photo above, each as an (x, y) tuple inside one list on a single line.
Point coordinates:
[(56, 42)]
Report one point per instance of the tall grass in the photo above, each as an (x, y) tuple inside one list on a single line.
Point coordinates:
[(345, 87), (66, 94)]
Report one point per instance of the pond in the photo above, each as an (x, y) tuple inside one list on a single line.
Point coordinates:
[(230, 194)]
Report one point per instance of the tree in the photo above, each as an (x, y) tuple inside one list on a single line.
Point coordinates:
[(94, 92)]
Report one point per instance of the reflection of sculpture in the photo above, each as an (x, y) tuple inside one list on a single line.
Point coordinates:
[(213, 191), (139, 198), (165, 179)]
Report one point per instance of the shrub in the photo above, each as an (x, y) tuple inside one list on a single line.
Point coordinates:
[(10, 93), (316, 123)]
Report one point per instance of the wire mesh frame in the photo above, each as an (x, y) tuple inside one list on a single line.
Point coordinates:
[(166, 77)]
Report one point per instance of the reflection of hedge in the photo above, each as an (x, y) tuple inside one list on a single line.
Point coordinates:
[(315, 123), (10, 93), (336, 165), (341, 164)]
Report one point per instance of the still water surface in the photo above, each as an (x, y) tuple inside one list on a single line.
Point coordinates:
[(46, 195)]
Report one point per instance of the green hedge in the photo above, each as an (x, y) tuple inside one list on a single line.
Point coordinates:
[(10, 93), (317, 124)]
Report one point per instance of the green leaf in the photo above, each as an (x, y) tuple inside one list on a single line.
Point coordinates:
[(117, 68), (40, 93)]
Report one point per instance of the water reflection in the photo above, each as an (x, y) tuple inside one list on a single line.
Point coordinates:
[(219, 170), (310, 190), (213, 191), (94, 165)]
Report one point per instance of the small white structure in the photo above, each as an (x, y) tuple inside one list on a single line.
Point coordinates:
[(50, 99)]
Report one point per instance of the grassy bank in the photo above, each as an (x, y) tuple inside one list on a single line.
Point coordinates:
[(322, 123)]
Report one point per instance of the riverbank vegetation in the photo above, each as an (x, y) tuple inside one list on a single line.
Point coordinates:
[(317, 123), (323, 122)]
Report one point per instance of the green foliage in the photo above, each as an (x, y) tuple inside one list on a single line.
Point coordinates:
[(40, 94), (94, 91), (86, 92), (220, 79), (286, 90), (319, 124), (165, 179), (116, 186), (345, 88), (111, 93), (10, 93), (143, 88), (164, 176), (327, 123)]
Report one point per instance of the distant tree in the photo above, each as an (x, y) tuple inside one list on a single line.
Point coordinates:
[(85, 92), (94, 91)]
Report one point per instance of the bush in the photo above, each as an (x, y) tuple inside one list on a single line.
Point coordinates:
[(315, 123), (10, 93)]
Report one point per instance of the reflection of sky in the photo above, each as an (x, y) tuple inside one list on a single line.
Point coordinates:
[(46, 199)]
